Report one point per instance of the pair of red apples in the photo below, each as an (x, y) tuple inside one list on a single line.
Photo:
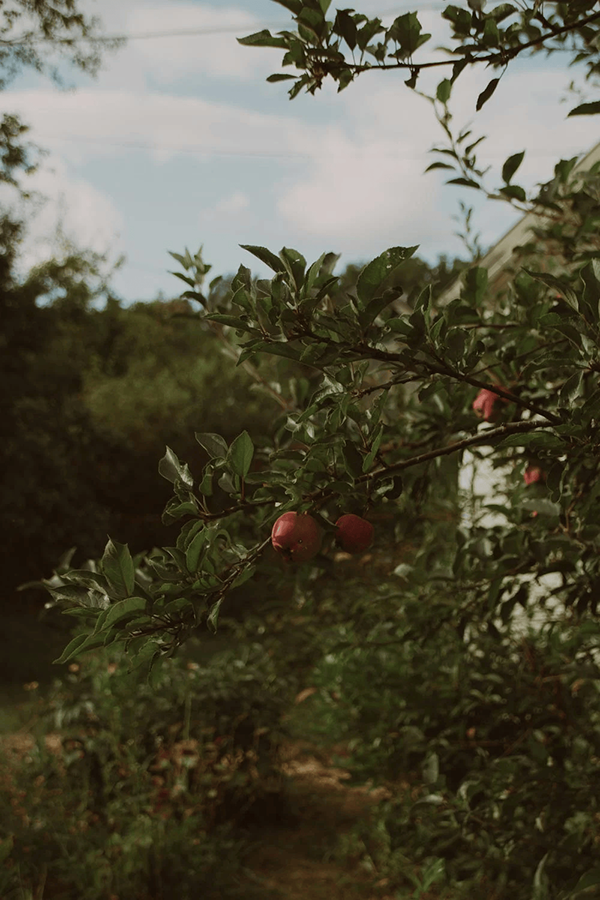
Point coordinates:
[(298, 537)]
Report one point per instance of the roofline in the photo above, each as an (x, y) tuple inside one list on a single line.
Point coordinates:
[(498, 255)]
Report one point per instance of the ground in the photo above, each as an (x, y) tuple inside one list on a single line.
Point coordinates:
[(299, 858)]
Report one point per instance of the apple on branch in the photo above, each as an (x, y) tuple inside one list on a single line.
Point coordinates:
[(354, 534), (296, 536)]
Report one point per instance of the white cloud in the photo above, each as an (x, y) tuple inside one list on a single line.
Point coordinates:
[(232, 204), (366, 184), (69, 208), (97, 122), (213, 53)]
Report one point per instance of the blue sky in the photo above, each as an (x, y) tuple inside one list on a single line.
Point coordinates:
[(181, 142)]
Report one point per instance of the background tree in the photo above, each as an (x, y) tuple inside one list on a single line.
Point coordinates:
[(41, 35)]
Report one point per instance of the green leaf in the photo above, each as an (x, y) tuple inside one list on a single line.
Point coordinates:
[(70, 649), (186, 261), (72, 593), (458, 67), (232, 322), (240, 454), (79, 613), (540, 881), (187, 533), (431, 768), (460, 18), (438, 165), (444, 89), (194, 550), (377, 305), (502, 11), (272, 261), (313, 273), (185, 278), (295, 264), (214, 444), (122, 610), (294, 6), (262, 38), (280, 76), (175, 510), (117, 565), (514, 192), (274, 348), (369, 459), (368, 31), (406, 30), (511, 165), (491, 36), (352, 459), (345, 26), (376, 272), (586, 109), (541, 505), (173, 470), (146, 656), (551, 320), (206, 485), (541, 440), (487, 93), (570, 389), (213, 617), (226, 484), (77, 646), (463, 182), (563, 287), (93, 580), (590, 879), (590, 275)]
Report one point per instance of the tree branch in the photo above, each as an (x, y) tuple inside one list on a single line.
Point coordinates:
[(499, 57)]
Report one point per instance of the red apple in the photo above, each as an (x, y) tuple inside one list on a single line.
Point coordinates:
[(483, 404), (297, 536), (532, 474), (354, 534)]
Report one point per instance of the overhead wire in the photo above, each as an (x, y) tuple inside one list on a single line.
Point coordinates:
[(193, 32), (272, 154), (198, 32)]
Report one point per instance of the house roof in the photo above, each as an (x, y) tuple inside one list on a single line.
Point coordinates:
[(499, 255)]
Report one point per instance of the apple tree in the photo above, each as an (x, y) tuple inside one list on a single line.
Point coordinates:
[(385, 393)]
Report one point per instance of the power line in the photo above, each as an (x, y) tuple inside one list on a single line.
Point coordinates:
[(188, 32), (197, 32), (275, 154)]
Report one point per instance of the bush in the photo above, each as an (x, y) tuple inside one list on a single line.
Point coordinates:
[(148, 787), (491, 751)]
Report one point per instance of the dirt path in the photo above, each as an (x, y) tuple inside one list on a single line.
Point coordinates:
[(298, 860)]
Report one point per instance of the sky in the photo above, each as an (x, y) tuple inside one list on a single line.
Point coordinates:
[(180, 142)]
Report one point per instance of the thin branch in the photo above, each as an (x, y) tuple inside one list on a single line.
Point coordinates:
[(487, 437), (494, 389), (499, 56), (444, 369)]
